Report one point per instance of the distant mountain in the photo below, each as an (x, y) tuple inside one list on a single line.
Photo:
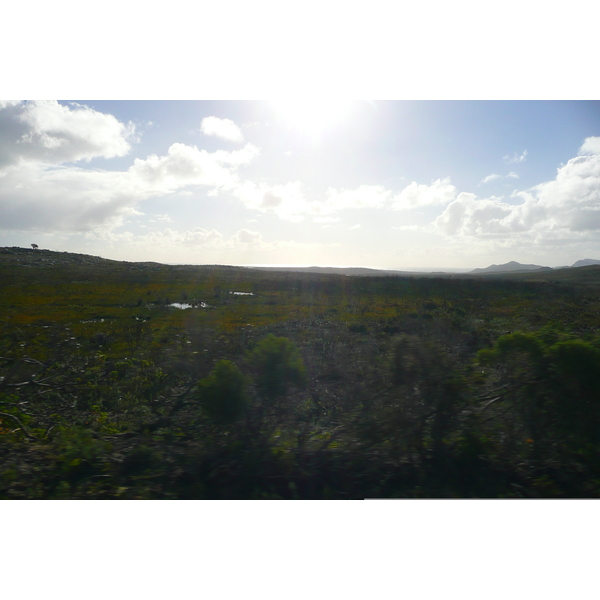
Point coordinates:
[(586, 262), (510, 267)]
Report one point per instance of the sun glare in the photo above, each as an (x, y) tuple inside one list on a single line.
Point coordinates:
[(312, 117)]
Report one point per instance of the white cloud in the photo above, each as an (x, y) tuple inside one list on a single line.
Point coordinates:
[(286, 201), (415, 195), (565, 208), (515, 158), (365, 196), (225, 129), (574, 194), (591, 145), (210, 247), (289, 203), (491, 177), (69, 199), (50, 133), (494, 176), (237, 157), (246, 236), (166, 218), (195, 237), (182, 166), (469, 216), (8, 103), (40, 190), (408, 228), (357, 226), (35, 196), (167, 238)]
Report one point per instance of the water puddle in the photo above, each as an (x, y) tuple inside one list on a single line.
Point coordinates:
[(185, 305)]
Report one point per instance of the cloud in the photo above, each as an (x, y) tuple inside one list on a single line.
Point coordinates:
[(286, 201), (565, 208), (494, 176), (225, 129), (166, 218), (491, 177), (182, 166), (50, 133), (591, 145), (237, 157), (67, 198), (365, 196), (289, 202), (408, 228), (40, 188), (469, 216), (33, 196), (209, 247), (515, 158), (197, 237), (246, 236), (357, 226), (415, 195)]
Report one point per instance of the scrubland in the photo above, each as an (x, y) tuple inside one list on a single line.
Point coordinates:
[(305, 386)]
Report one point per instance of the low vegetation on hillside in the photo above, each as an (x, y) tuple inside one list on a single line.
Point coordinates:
[(141, 380)]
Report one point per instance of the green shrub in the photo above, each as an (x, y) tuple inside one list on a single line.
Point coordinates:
[(277, 365), (222, 393)]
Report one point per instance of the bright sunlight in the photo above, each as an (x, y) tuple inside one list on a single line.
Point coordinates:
[(311, 116)]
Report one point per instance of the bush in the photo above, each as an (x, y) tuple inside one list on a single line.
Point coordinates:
[(222, 393), (277, 365)]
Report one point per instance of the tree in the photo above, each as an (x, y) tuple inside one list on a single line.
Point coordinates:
[(222, 393), (553, 383), (277, 365), (34, 246)]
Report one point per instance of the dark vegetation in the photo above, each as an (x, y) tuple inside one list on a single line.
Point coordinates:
[(314, 386)]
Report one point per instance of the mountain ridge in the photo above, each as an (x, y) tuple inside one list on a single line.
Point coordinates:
[(514, 266), (511, 266), (29, 257)]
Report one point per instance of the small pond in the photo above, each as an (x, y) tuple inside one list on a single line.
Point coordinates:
[(185, 305)]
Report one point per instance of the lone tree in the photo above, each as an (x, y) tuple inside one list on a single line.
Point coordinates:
[(34, 246)]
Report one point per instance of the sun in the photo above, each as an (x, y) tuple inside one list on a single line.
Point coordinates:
[(313, 117)]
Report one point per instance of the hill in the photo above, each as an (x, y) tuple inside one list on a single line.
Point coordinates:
[(510, 267), (586, 262)]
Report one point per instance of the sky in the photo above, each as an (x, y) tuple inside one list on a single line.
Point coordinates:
[(383, 184)]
